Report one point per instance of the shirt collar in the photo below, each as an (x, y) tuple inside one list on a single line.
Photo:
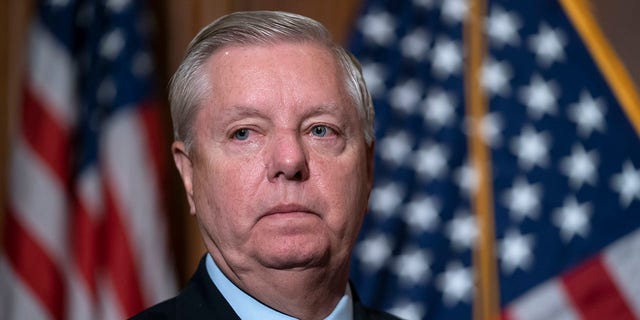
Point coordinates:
[(248, 307)]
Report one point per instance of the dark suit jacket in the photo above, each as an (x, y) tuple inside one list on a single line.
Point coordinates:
[(200, 299)]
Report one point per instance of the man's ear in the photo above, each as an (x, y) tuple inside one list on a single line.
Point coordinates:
[(184, 164)]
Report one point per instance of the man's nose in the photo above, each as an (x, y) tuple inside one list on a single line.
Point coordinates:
[(288, 158)]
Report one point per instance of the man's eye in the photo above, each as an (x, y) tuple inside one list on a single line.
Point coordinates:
[(241, 134), (320, 131)]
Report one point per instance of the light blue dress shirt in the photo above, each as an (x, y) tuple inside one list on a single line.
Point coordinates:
[(248, 307)]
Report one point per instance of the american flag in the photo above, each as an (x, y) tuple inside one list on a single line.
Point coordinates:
[(560, 130), (85, 236)]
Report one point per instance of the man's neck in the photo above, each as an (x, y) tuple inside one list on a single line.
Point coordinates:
[(300, 293)]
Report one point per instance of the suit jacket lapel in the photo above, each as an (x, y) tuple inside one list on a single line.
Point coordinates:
[(202, 300)]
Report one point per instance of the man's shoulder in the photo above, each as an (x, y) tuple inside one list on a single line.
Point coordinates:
[(200, 299), (373, 314), (363, 312), (194, 302)]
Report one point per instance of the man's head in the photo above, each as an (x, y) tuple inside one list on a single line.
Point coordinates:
[(274, 143), (188, 87)]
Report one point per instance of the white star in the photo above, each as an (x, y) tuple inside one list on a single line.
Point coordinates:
[(515, 251), (374, 251), (412, 266), (454, 11), (117, 5), (490, 127), (548, 45), (447, 58), (466, 178), (438, 108), (456, 284), (112, 44), (588, 114), (502, 27), (523, 199), (421, 214), (374, 75), (415, 44), (580, 167), (540, 97), (378, 27), (430, 161), (395, 147), (386, 199), (531, 148), (406, 96), (573, 219), (408, 310), (495, 77), (462, 230), (627, 184)]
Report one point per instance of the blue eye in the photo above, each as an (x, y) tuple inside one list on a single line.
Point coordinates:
[(241, 134), (320, 131)]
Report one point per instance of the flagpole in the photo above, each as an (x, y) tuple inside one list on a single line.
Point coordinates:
[(486, 300), (605, 58)]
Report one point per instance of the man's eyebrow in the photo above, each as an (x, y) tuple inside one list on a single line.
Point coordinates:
[(239, 112), (332, 109)]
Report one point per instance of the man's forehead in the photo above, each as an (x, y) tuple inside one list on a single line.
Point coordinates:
[(302, 62), (272, 46), (234, 79)]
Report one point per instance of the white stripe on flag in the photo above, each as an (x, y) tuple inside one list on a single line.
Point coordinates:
[(109, 307), (39, 200), (80, 304), (52, 73), (90, 192), (623, 262), (547, 301), (16, 301), (130, 167)]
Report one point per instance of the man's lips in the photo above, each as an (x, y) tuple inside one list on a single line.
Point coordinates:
[(288, 209)]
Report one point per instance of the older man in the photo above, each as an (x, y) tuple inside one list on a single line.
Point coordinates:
[(274, 143)]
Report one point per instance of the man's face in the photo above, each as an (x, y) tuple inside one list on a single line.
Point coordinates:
[(280, 174)]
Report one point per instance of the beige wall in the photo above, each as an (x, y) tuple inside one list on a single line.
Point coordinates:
[(178, 22), (13, 20), (620, 21)]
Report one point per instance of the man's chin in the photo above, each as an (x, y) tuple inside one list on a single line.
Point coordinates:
[(294, 257)]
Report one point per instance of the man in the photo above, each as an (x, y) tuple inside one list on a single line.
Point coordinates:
[(274, 143)]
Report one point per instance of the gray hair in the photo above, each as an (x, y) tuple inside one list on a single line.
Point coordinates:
[(187, 86)]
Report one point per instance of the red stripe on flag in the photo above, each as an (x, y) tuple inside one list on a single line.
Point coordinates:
[(155, 142), (120, 260), (594, 294), (45, 135), (36, 269), (84, 249), (152, 125), (506, 315)]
